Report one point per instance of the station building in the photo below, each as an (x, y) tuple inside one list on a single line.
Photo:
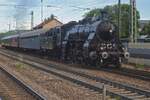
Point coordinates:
[(48, 24)]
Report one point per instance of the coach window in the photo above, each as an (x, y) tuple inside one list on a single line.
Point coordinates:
[(58, 30), (50, 33), (46, 34), (32, 39)]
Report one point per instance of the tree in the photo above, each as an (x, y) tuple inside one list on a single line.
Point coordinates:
[(113, 13), (94, 12), (7, 34), (146, 30)]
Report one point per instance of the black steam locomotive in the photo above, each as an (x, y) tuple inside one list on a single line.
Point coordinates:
[(90, 41)]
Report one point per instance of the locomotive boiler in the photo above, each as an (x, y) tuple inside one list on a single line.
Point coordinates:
[(95, 43)]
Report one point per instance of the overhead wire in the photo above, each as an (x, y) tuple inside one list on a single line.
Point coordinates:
[(77, 8)]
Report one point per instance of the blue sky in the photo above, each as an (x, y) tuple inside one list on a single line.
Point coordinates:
[(61, 8)]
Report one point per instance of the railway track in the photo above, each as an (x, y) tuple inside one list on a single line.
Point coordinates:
[(143, 75), (138, 74), (29, 92), (113, 89)]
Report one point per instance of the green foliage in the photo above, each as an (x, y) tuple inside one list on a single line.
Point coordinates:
[(19, 65), (113, 13), (146, 29), (140, 66), (117, 98), (94, 12), (7, 33)]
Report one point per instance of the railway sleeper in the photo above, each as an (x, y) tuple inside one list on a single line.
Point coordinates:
[(131, 94), (144, 99), (125, 92), (116, 89), (138, 97), (107, 86)]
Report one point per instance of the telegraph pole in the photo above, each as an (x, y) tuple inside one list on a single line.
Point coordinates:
[(16, 24), (9, 26), (133, 25), (41, 10), (32, 19), (119, 18), (131, 20), (135, 21)]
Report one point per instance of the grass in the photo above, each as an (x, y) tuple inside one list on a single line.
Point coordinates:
[(140, 66), (19, 65), (117, 98)]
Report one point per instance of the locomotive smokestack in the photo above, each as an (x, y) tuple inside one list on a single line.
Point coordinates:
[(104, 15)]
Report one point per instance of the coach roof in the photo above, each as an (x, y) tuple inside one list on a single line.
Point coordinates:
[(33, 33), (10, 36)]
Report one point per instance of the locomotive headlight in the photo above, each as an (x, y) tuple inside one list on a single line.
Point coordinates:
[(126, 55), (104, 55), (110, 31), (102, 48), (123, 48)]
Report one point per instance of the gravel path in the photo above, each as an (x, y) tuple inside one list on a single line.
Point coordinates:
[(10, 90), (137, 67), (48, 85), (111, 76), (122, 79)]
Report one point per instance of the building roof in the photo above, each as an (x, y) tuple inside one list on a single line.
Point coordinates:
[(143, 36), (143, 23), (46, 22)]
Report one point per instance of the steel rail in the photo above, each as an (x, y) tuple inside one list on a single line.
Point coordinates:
[(143, 75), (138, 74), (26, 87)]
